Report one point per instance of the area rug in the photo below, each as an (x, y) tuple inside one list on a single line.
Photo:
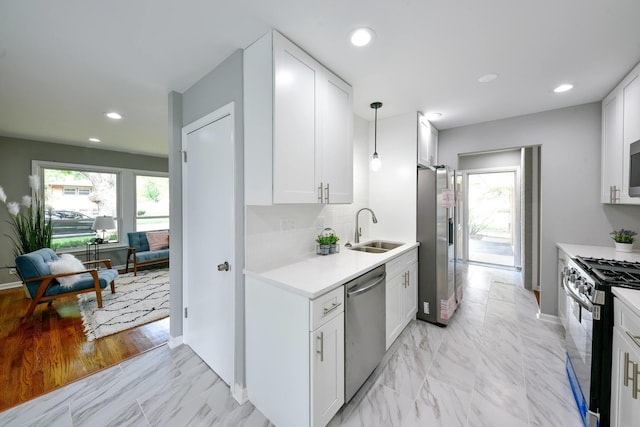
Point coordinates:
[(138, 300)]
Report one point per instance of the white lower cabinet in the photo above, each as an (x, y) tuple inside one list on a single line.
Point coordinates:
[(327, 367), (562, 296), (625, 370), (294, 354), (401, 294)]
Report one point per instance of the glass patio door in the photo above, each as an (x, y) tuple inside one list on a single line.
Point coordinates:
[(493, 224)]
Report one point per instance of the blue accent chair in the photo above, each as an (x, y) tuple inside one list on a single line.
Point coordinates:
[(140, 254), (43, 286)]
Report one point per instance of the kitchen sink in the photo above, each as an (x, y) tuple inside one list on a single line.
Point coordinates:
[(368, 249), (376, 246), (382, 244)]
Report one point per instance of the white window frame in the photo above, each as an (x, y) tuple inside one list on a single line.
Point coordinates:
[(135, 199), (125, 191)]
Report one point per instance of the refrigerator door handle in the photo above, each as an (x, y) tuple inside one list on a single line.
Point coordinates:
[(450, 231)]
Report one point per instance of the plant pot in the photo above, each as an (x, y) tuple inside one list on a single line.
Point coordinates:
[(334, 249), (624, 247), (323, 249)]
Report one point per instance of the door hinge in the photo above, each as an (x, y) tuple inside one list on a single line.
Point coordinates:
[(184, 156), (186, 313)]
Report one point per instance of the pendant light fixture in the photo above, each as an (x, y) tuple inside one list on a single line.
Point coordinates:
[(376, 163)]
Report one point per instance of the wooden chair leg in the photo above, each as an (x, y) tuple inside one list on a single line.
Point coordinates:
[(36, 298), (30, 310), (113, 287)]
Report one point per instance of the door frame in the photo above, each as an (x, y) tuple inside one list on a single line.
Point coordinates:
[(517, 259), (237, 389)]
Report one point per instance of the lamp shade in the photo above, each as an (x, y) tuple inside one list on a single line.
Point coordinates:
[(103, 223)]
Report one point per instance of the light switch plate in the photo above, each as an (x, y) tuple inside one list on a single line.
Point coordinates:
[(425, 307)]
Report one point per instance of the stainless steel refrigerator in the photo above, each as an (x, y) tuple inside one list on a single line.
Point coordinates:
[(438, 293)]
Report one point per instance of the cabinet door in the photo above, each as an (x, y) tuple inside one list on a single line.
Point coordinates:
[(327, 371), (612, 159), (410, 295), (336, 150), (393, 308), (625, 376), (427, 142), (630, 131), (295, 119), (562, 296)]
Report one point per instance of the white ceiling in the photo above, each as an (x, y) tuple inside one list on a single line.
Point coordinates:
[(64, 63)]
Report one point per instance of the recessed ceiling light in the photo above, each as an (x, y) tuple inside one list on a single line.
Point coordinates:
[(113, 115), (362, 36), (434, 116), (94, 140), (487, 78), (563, 88)]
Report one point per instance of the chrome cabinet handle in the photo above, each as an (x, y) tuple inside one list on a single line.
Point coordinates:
[(224, 266), (332, 308), (320, 193), (326, 196), (613, 194), (321, 351), (626, 369), (635, 390)]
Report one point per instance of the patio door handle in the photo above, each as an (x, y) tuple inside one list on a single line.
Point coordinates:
[(224, 266)]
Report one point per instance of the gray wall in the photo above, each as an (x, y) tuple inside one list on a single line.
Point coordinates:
[(15, 167), (218, 88), (495, 159), (570, 205)]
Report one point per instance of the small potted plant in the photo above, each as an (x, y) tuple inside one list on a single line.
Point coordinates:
[(623, 239), (333, 242), (324, 244)]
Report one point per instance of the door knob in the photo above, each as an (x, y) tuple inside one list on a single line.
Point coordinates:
[(224, 266)]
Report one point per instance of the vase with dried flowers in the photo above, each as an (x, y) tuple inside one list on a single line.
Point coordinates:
[(31, 228), (623, 239)]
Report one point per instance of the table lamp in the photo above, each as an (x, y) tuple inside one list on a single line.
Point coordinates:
[(103, 223)]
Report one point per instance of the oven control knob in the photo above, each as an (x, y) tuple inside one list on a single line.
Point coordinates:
[(573, 276), (582, 289)]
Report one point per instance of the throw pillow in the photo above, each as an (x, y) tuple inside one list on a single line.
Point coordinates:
[(67, 263), (158, 240)]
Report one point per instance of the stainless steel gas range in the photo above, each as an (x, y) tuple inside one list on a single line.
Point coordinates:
[(587, 283)]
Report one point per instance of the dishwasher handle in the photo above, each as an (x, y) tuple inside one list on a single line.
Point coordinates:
[(367, 286)]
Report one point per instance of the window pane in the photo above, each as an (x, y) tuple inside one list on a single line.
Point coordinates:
[(152, 202), (73, 199)]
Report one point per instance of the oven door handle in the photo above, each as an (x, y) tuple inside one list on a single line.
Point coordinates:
[(571, 293)]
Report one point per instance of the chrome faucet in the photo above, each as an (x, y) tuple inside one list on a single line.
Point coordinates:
[(358, 230)]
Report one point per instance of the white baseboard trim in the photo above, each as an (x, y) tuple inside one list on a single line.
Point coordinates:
[(175, 342), (10, 285), (549, 318), (240, 394)]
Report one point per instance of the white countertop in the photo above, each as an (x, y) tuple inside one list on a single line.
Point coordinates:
[(318, 275), (606, 252), (630, 297)]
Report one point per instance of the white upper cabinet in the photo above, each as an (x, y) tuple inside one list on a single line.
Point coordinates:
[(611, 149), (298, 127), (336, 134), (620, 128), (427, 142)]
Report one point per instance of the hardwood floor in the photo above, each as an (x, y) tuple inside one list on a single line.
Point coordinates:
[(51, 350)]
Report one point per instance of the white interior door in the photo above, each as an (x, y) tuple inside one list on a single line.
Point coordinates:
[(208, 214)]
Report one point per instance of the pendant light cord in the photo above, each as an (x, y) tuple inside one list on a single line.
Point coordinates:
[(375, 134), (375, 106)]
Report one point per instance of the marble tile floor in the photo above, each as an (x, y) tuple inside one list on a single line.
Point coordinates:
[(494, 365)]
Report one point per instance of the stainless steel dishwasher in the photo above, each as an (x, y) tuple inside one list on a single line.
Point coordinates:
[(364, 328)]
